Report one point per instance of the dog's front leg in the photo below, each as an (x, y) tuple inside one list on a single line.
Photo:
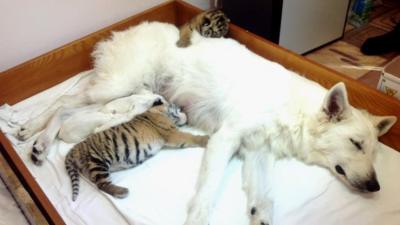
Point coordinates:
[(97, 91), (220, 149), (135, 103), (125, 109), (259, 206)]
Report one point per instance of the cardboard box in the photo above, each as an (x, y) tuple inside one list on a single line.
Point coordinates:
[(389, 81)]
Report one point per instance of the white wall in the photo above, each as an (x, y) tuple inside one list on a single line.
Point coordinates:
[(29, 28), (203, 4)]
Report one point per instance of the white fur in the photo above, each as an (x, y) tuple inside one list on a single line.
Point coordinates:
[(252, 105), (130, 62), (73, 125), (98, 118)]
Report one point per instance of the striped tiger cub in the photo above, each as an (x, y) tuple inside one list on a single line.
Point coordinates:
[(213, 23), (128, 145)]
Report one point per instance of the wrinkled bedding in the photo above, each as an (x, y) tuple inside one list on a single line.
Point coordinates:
[(161, 187)]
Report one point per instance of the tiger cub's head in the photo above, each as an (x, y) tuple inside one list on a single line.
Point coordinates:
[(171, 110), (212, 23)]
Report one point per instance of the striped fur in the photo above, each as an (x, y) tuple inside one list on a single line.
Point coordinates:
[(212, 23), (127, 145)]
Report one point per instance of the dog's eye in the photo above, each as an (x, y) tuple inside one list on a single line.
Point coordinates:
[(339, 170), (356, 143)]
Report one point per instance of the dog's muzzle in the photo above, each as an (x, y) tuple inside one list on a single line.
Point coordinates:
[(372, 185)]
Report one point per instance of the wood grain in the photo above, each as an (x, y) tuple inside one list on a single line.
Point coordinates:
[(31, 185), (58, 65), (19, 193)]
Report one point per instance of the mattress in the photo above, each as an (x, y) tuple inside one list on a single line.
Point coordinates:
[(161, 187)]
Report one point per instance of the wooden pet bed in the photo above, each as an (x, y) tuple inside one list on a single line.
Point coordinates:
[(45, 71)]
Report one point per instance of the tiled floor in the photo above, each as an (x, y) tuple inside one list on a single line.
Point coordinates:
[(9, 212), (345, 53)]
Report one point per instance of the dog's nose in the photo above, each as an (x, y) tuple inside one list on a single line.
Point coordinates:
[(372, 185)]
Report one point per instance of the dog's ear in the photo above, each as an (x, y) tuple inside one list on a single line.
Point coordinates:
[(383, 123), (335, 102)]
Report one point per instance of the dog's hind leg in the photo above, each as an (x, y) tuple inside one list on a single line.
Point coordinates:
[(255, 186), (41, 146), (97, 91), (101, 117), (220, 149), (35, 125), (83, 123)]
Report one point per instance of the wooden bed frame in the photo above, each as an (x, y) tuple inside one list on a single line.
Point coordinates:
[(49, 69)]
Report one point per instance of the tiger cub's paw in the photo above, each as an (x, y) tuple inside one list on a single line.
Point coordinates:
[(183, 42), (116, 191), (203, 140), (121, 192)]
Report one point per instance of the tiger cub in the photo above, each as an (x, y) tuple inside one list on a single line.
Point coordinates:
[(128, 145), (213, 23)]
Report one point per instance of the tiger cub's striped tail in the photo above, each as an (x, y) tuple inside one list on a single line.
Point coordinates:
[(73, 173)]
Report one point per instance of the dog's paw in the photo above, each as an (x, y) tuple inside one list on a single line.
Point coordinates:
[(40, 150), (156, 100), (144, 103), (29, 129), (35, 159), (259, 216), (24, 133)]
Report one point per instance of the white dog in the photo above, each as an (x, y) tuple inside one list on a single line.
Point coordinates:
[(252, 106)]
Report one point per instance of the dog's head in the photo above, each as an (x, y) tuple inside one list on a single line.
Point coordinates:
[(345, 140)]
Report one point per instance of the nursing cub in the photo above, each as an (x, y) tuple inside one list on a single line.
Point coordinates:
[(128, 145)]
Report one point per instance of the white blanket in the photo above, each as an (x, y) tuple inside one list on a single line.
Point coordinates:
[(161, 187)]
